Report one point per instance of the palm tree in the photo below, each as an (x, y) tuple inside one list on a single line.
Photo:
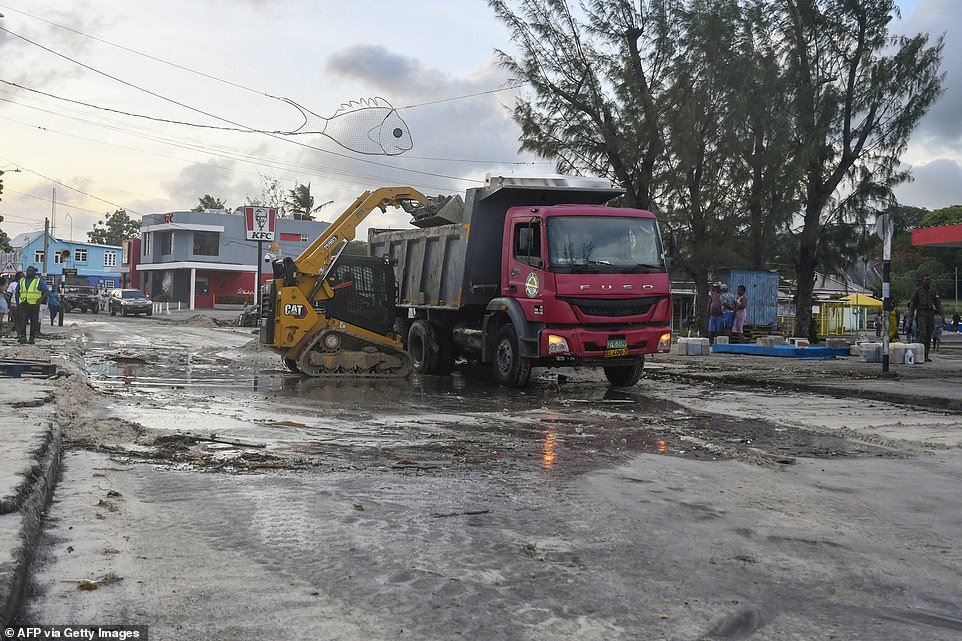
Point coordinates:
[(209, 202), (300, 202)]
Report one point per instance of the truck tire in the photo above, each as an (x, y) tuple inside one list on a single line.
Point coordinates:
[(94, 309), (113, 312), (424, 347), (510, 368), (66, 307), (625, 375), (291, 364)]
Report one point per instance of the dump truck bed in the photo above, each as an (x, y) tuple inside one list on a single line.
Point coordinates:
[(458, 265)]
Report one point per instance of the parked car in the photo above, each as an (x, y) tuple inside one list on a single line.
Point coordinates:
[(80, 297), (129, 301)]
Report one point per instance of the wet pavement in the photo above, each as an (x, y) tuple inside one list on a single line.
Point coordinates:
[(209, 493)]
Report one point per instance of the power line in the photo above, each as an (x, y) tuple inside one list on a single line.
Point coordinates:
[(216, 117), (34, 196), (139, 53)]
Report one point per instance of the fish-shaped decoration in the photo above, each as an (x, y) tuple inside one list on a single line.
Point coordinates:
[(367, 126)]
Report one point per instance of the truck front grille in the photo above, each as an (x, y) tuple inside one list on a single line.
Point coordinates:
[(609, 308)]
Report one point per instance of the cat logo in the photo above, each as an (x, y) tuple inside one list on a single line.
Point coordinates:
[(297, 311)]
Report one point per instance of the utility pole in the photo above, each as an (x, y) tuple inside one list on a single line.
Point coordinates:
[(883, 227), (46, 244)]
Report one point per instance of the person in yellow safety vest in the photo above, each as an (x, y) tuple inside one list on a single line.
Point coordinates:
[(32, 292)]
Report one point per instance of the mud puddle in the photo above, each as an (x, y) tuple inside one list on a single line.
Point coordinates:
[(206, 412)]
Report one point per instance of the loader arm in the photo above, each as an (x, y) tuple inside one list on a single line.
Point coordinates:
[(320, 256)]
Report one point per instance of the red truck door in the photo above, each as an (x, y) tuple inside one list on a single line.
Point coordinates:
[(525, 265)]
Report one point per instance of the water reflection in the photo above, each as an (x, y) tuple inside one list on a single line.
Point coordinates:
[(548, 448)]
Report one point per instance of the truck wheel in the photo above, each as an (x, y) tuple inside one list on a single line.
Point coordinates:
[(292, 365), (510, 368), (94, 309), (625, 375), (113, 312), (424, 347)]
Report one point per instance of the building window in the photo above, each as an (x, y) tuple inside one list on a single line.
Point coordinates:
[(58, 256), (80, 255), (166, 243), (146, 243), (38, 256), (304, 238), (110, 259), (206, 243), (109, 284)]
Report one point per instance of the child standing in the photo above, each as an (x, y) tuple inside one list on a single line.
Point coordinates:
[(53, 304)]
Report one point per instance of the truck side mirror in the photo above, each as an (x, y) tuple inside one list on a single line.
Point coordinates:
[(671, 252)]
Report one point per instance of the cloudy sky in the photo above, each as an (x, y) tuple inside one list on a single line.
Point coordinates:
[(223, 63)]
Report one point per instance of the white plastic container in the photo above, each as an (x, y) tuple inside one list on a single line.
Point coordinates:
[(918, 350), (897, 353), (872, 352)]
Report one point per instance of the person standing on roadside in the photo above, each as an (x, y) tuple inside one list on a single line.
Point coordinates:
[(4, 303), (937, 328), (14, 304), (32, 292), (728, 309), (924, 304), (716, 323), (955, 321), (741, 313), (53, 304)]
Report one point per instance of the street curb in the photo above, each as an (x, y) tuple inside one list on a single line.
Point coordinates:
[(935, 402), (32, 511)]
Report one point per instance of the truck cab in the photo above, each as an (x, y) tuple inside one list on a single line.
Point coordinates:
[(591, 285)]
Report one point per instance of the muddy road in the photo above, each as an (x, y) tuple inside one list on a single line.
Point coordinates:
[(209, 493)]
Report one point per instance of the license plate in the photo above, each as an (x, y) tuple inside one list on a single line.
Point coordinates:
[(617, 346)]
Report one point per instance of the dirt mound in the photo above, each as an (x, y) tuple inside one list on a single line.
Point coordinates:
[(199, 320), (254, 347)]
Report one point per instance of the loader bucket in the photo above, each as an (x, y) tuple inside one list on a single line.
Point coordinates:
[(441, 210)]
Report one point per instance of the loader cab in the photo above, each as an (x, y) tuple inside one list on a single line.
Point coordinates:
[(364, 293)]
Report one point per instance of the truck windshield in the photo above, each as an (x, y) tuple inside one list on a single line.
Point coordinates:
[(604, 244)]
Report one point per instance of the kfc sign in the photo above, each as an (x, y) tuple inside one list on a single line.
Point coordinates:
[(260, 223)]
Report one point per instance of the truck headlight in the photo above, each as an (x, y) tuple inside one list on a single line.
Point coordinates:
[(664, 343), (557, 345)]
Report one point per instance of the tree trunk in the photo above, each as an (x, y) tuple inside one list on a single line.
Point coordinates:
[(807, 263)]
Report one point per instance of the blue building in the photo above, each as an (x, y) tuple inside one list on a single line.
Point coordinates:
[(98, 265)]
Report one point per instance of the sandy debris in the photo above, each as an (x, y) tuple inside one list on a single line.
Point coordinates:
[(200, 320)]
